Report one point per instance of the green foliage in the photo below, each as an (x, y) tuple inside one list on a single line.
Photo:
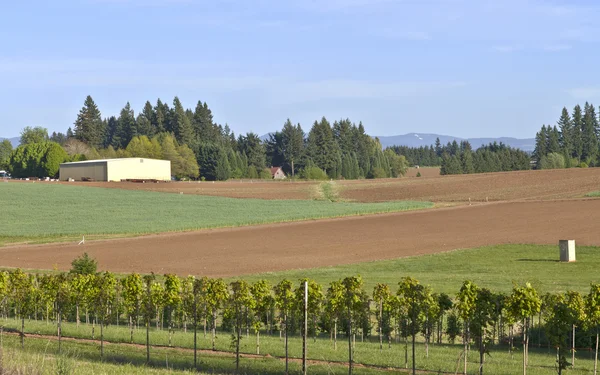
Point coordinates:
[(89, 127), (582, 165), (377, 173), (419, 174), (6, 150), (37, 160), (313, 173), (552, 161), (84, 265), (265, 174), (37, 134)]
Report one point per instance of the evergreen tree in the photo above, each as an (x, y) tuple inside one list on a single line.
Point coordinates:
[(553, 145), (466, 158), (144, 121), (292, 139), (89, 127), (438, 147), (577, 132), (541, 144), (126, 128), (111, 132), (321, 146), (589, 138), (182, 127), (252, 147), (565, 126), (6, 150), (203, 124)]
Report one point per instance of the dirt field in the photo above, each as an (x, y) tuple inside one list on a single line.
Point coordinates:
[(504, 186), (230, 252)]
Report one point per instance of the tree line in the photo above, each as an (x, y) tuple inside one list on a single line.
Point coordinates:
[(476, 315), (572, 142), (198, 147)]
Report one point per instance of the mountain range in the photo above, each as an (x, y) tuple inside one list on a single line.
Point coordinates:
[(422, 139)]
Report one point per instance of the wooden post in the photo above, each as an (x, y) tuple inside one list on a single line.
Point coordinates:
[(305, 332)]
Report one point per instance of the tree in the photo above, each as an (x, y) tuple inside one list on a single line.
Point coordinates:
[(382, 295), (251, 146), (182, 127), (552, 161), (84, 265), (558, 326), (89, 127), (37, 160), (6, 150), (172, 301), (292, 139), (417, 298), (22, 292), (523, 304), (132, 289), (482, 321), (142, 147), (553, 140), (315, 302), (466, 302), (589, 134), (592, 310), (102, 301), (577, 132), (261, 292), (284, 297), (321, 146), (148, 304), (240, 302), (352, 301), (565, 126), (541, 144), (398, 163), (36, 134)]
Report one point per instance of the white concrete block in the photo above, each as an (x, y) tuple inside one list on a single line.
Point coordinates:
[(567, 250)]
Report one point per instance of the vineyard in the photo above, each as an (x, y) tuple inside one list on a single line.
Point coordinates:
[(388, 328)]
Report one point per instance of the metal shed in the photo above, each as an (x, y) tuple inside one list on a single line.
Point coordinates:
[(117, 170)]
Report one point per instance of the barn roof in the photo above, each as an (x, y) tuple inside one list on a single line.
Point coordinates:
[(105, 160), (274, 170)]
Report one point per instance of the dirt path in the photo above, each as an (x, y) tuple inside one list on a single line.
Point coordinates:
[(232, 252)]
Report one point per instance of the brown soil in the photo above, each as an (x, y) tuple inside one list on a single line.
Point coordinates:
[(503, 186), (234, 189), (231, 252)]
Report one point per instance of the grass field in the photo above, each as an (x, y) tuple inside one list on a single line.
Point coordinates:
[(494, 267), (325, 359), (45, 211)]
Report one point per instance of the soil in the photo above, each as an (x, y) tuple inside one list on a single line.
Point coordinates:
[(238, 251)]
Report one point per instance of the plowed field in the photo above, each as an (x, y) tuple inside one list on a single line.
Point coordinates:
[(504, 186), (229, 252)]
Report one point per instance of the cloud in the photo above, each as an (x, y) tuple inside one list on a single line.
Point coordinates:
[(508, 48), (556, 47), (584, 93)]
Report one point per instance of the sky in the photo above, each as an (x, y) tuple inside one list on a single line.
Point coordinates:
[(467, 68)]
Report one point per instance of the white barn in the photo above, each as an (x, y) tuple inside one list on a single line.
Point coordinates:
[(117, 170)]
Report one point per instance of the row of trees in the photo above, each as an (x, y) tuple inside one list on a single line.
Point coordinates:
[(338, 150), (575, 137), (459, 159), (478, 315)]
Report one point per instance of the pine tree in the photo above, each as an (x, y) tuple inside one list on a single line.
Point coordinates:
[(541, 144), (466, 158), (589, 135), (577, 137), (126, 128), (160, 117), (565, 126), (182, 128), (553, 145), (252, 147), (321, 146), (292, 139), (89, 127)]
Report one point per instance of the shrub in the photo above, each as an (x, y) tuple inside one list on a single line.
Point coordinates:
[(313, 173), (583, 164), (84, 265), (552, 161), (419, 174), (377, 173), (265, 174), (252, 173)]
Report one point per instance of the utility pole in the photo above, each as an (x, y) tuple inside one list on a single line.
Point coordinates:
[(305, 333)]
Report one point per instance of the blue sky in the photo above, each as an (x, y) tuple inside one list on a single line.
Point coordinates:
[(469, 68)]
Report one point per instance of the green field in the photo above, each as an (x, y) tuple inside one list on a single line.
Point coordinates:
[(594, 194), (46, 212), (494, 267)]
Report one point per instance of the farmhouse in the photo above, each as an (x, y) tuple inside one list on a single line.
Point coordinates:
[(117, 170), (277, 173)]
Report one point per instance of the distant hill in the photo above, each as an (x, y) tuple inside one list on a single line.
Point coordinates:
[(422, 139), (15, 141), (419, 139)]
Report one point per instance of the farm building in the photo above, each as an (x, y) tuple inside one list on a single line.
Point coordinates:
[(117, 170), (277, 173)]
